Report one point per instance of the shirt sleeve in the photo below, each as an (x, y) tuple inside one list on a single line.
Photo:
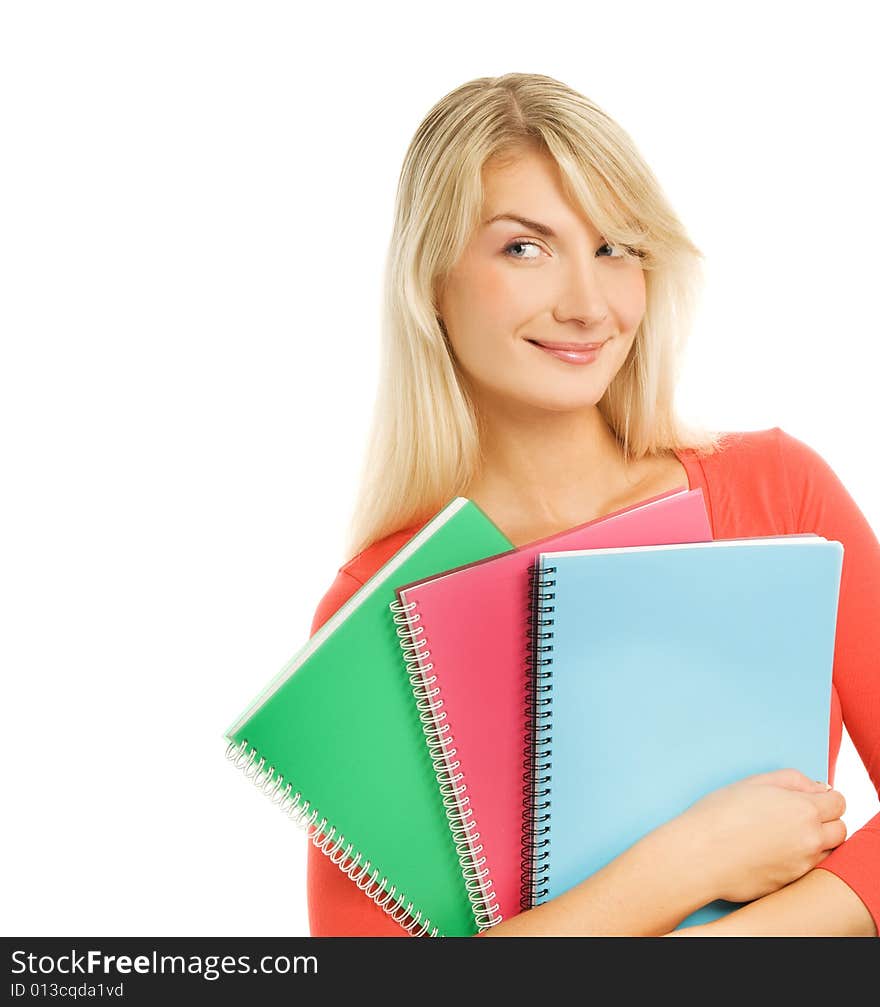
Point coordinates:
[(820, 504), (337, 907)]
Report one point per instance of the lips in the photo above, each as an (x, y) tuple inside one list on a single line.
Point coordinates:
[(577, 354), (573, 347)]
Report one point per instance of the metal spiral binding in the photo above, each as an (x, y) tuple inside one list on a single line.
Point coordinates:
[(537, 739), (272, 784), (453, 789)]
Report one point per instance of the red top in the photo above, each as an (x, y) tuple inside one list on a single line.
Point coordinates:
[(758, 483)]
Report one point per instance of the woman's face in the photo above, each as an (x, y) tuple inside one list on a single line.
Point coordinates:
[(551, 281)]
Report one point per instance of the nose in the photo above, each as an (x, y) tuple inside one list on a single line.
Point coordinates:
[(581, 297)]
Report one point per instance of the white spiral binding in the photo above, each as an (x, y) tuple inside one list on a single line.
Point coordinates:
[(453, 789), (273, 786)]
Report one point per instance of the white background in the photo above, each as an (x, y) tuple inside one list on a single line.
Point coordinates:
[(195, 206)]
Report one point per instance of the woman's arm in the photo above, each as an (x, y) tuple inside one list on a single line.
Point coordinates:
[(739, 843), (647, 890), (818, 904), (820, 503), (628, 897)]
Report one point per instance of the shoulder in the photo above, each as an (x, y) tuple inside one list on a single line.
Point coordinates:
[(774, 473), (770, 448), (352, 575), (819, 500), (375, 556), (745, 469), (756, 480), (762, 457), (741, 448)]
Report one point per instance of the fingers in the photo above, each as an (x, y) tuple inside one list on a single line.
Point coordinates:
[(833, 834), (830, 805), (793, 779)]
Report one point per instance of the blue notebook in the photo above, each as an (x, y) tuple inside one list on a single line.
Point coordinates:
[(672, 670)]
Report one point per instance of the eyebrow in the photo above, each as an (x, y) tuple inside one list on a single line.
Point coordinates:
[(532, 225)]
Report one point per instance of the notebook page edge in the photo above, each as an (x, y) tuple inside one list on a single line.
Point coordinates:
[(769, 540)]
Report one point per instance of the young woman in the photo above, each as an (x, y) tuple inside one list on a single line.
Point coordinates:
[(538, 297)]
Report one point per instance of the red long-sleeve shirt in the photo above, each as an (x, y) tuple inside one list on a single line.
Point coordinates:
[(759, 483)]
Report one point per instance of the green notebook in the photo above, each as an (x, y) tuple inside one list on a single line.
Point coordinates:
[(336, 740)]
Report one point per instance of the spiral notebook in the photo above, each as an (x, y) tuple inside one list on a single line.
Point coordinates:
[(335, 740), (466, 648), (667, 672)]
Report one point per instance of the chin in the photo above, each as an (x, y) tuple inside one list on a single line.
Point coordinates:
[(555, 399), (532, 388), (571, 405)]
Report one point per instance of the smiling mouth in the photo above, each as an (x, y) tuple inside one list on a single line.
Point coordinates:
[(575, 354), (572, 347)]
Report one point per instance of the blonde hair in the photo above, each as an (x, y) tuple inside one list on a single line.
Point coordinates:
[(424, 443)]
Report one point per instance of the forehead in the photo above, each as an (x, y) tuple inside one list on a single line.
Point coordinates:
[(513, 172), (530, 187)]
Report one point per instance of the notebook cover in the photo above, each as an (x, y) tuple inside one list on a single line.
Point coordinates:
[(473, 624), (338, 724), (676, 670)]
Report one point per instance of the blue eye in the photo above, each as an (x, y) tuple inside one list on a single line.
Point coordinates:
[(521, 244), (621, 256), (534, 244)]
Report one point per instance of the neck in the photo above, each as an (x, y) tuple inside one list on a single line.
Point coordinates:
[(542, 467)]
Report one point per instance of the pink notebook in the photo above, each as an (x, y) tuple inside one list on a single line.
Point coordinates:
[(465, 636)]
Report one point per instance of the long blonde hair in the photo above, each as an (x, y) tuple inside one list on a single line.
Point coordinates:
[(424, 444)]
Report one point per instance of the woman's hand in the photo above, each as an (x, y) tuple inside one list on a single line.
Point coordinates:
[(758, 834)]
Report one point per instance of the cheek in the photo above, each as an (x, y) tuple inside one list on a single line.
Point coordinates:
[(487, 314), (631, 303), (495, 297)]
